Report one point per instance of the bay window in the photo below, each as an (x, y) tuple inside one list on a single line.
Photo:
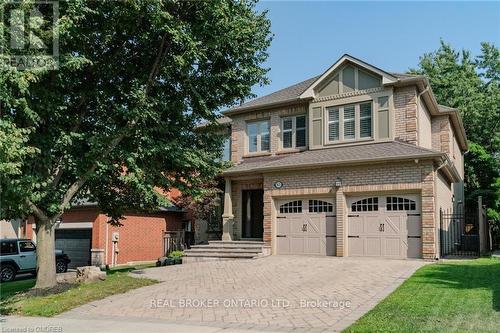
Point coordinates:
[(258, 136)]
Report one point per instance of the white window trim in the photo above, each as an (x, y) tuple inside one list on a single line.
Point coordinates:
[(357, 130), (294, 131), (259, 137)]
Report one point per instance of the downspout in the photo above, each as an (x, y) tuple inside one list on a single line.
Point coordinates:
[(436, 211)]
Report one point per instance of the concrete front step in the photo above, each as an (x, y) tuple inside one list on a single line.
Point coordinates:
[(224, 250)]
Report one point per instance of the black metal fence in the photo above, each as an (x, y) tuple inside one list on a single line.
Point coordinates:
[(459, 233), (175, 241)]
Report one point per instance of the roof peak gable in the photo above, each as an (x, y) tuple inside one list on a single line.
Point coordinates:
[(387, 78)]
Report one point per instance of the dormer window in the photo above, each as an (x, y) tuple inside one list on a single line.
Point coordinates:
[(293, 131)]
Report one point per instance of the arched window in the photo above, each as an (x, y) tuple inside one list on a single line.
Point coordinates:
[(291, 207), (365, 205), (320, 206), (398, 203)]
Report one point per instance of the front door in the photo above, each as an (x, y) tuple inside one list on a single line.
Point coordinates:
[(252, 214)]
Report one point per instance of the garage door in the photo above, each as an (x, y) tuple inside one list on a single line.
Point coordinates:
[(306, 226), (76, 244), (385, 226)]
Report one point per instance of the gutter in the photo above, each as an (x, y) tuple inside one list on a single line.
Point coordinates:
[(231, 112), (333, 164)]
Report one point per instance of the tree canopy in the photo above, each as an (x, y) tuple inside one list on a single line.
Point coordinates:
[(472, 84), (120, 117)]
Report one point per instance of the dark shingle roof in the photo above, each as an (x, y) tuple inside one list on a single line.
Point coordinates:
[(338, 155), (292, 93), (287, 94)]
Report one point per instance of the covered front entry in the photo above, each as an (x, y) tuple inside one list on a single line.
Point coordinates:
[(306, 226), (252, 214), (385, 226)]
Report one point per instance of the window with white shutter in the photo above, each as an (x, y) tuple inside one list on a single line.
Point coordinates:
[(333, 124), (293, 131), (356, 120), (365, 120), (349, 122)]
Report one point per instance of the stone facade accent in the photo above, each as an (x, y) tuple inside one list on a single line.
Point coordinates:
[(441, 133), (405, 107)]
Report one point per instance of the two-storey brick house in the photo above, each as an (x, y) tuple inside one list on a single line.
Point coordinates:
[(354, 162)]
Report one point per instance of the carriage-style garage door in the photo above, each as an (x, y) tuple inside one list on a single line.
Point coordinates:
[(306, 226), (385, 226)]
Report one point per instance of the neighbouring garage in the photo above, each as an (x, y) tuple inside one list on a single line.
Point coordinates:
[(306, 226), (76, 243), (385, 226)]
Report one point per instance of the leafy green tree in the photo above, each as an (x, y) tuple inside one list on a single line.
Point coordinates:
[(473, 86), (119, 118)]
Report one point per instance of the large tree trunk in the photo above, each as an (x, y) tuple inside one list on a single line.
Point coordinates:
[(46, 257)]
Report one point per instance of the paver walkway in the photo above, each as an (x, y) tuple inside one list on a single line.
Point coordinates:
[(274, 293)]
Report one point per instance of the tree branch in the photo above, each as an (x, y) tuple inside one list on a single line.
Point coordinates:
[(77, 185), (37, 211)]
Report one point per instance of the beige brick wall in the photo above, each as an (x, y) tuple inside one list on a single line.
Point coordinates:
[(444, 140), (405, 114), (394, 177)]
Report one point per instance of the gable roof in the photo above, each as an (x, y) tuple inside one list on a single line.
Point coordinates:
[(288, 94), (387, 78), (354, 154), (297, 92), (304, 91)]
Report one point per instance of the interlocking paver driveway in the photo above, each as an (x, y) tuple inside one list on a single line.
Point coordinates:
[(276, 292)]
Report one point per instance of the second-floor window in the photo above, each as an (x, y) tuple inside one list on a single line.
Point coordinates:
[(349, 122), (258, 136), (293, 131)]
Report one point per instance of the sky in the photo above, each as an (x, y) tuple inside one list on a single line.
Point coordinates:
[(309, 36)]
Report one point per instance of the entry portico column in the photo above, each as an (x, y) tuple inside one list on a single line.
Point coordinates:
[(227, 217)]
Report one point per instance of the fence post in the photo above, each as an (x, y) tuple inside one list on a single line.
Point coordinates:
[(482, 240)]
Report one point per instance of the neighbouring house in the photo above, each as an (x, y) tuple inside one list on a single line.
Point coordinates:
[(356, 161), (86, 236)]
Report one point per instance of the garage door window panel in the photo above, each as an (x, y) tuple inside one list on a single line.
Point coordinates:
[(400, 204), (291, 207), (365, 205), (320, 206)]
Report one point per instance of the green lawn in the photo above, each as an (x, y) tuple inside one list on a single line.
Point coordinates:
[(13, 298), (452, 296)]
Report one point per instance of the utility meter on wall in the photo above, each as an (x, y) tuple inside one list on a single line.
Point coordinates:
[(115, 237)]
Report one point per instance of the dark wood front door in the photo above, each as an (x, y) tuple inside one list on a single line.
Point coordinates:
[(252, 214)]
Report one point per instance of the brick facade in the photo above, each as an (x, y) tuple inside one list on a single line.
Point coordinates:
[(238, 126), (405, 107), (141, 235), (402, 177)]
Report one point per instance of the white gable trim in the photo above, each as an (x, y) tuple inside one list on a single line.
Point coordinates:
[(386, 77)]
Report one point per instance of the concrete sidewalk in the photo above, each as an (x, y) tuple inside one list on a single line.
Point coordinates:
[(118, 325)]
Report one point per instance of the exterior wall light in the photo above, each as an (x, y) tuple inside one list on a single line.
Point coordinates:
[(338, 182)]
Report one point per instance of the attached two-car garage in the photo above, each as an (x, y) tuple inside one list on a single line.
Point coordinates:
[(377, 226)]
